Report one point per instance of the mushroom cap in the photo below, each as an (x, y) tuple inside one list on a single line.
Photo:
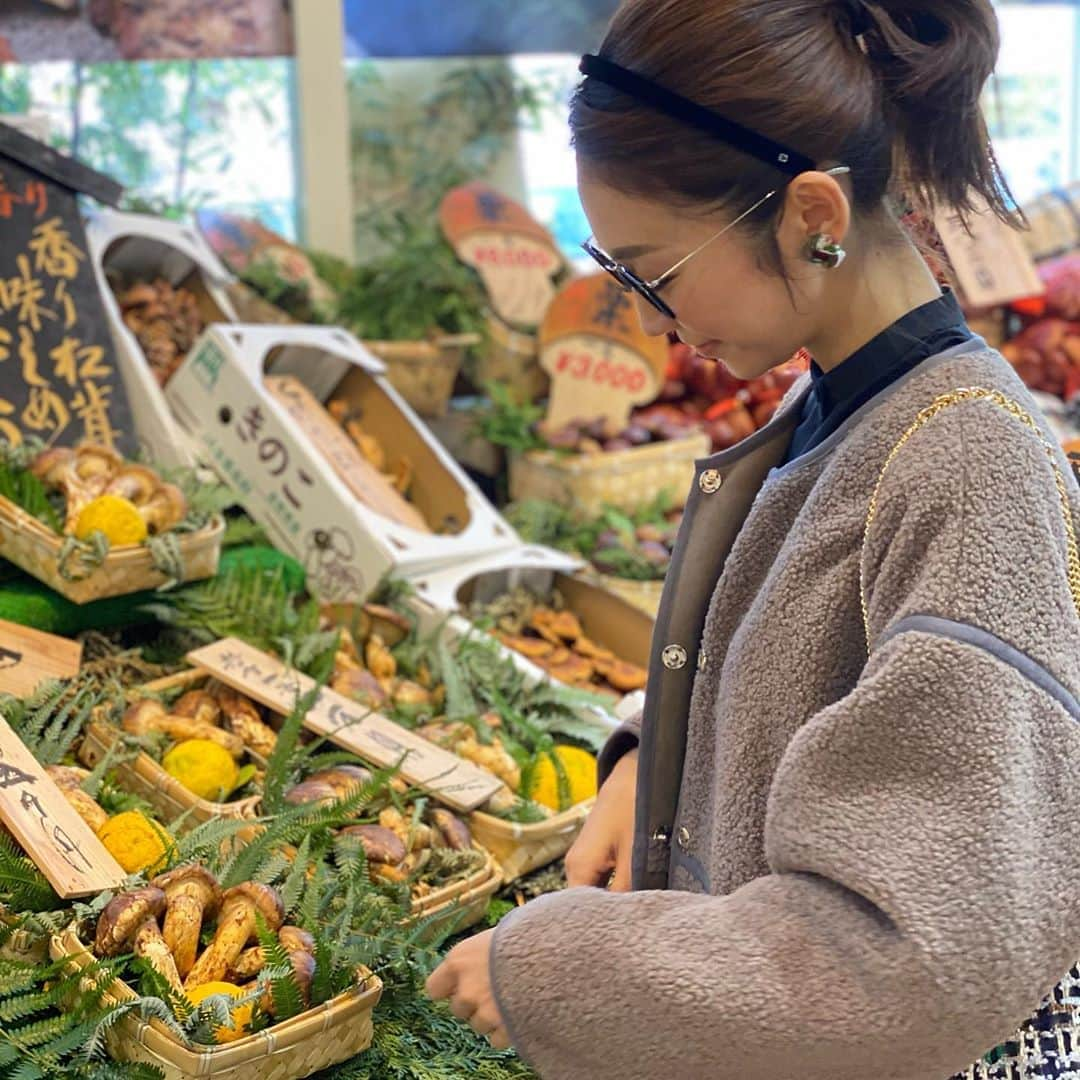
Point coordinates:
[(342, 778), (380, 845), (454, 831), (311, 791), (303, 965), (265, 900), (296, 939), (141, 716), (124, 915), (197, 705), (191, 874), (67, 777), (390, 625)]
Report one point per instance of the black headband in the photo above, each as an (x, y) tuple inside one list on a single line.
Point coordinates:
[(689, 112)]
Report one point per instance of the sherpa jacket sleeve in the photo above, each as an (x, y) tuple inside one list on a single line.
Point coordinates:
[(626, 737), (922, 834)]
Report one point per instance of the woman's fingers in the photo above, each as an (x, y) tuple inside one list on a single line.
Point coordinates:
[(620, 880), (442, 981), (588, 863)]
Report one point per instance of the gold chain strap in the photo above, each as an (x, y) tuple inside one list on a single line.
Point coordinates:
[(999, 400)]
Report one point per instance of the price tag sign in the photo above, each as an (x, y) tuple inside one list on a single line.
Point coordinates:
[(601, 363), (29, 657), (47, 827), (516, 257), (991, 262), (369, 735)]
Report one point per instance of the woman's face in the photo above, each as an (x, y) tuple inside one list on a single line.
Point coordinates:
[(726, 304)]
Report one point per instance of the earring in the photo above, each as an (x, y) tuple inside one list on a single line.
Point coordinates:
[(822, 250)]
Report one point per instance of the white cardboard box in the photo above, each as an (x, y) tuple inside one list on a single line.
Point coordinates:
[(149, 248), (288, 486)]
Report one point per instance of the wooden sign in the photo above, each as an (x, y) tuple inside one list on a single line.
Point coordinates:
[(601, 362), (353, 727), (516, 257), (47, 827), (991, 262), (58, 377), (29, 657)]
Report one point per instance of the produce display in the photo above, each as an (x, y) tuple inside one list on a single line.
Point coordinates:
[(546, 632), (635, 545), (1047, 357), (166, 321), (702, 392)]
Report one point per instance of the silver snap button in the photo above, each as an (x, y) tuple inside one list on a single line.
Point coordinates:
[(662, 835), (674, 657), (684, 838), (702, 660), (711, 481)]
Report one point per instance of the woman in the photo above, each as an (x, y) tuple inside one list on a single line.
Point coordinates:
[(855, 848)]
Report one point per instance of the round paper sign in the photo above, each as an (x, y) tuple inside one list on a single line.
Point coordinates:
[(601, 363), (516, 257)]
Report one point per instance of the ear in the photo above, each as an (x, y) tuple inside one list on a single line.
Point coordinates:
[(814, 203)]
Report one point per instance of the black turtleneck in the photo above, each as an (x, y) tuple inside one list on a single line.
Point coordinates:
[(836, 394)]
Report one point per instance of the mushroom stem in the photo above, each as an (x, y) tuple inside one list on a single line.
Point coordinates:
[(150, 945), (183, 921)]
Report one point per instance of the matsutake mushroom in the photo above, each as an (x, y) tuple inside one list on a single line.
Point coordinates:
[(243, 719), (148, 716), (131, 921), (240, 908), (192, 895)]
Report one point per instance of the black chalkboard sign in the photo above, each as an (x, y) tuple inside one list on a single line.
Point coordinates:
[(58, 376)]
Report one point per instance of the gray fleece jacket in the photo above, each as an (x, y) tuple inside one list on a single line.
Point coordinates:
[(846, 868)]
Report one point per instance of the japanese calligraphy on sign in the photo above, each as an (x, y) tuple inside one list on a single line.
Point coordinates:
[(601, 363), (351, 726), (58, 379), (48, 829)]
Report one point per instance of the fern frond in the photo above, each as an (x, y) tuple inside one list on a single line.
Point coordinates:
[(284, 990)]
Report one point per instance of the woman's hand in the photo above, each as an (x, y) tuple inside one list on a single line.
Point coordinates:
[(464, 979), (602, 852)]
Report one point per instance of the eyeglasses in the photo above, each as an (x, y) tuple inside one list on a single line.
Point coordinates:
[(649, 290)]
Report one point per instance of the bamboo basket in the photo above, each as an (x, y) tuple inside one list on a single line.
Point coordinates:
[(626, 479), (520, 849), (513, 358), (462, 902), (644, 595), (32, 547), (321, 1037), (424, 372)]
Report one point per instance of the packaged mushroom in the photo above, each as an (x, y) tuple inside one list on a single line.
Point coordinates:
[(166, 321)]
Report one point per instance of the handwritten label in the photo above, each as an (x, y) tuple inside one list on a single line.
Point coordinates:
[(991, 262), (371, 736), (47, 827), (29, 657), (58, 379), (601, 362)]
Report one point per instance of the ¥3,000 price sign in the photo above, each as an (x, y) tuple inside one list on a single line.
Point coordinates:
[(593, 377), (601, 363)]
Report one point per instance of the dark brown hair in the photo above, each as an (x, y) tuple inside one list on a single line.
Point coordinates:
[(890, 88)]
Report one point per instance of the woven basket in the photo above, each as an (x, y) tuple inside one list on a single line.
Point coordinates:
[(32, 547), (462, 903), (424, 372), (644, 595), (512, 358), (1054, 220), (317, 1039), (521, 849), (626, 479), (146, 778)]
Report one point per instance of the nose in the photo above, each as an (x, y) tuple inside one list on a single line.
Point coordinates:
[(653, 322)]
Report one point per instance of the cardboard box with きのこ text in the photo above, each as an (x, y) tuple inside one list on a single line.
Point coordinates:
[(279, 412)]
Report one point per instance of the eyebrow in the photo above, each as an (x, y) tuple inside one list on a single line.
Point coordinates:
[(633, 252)]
